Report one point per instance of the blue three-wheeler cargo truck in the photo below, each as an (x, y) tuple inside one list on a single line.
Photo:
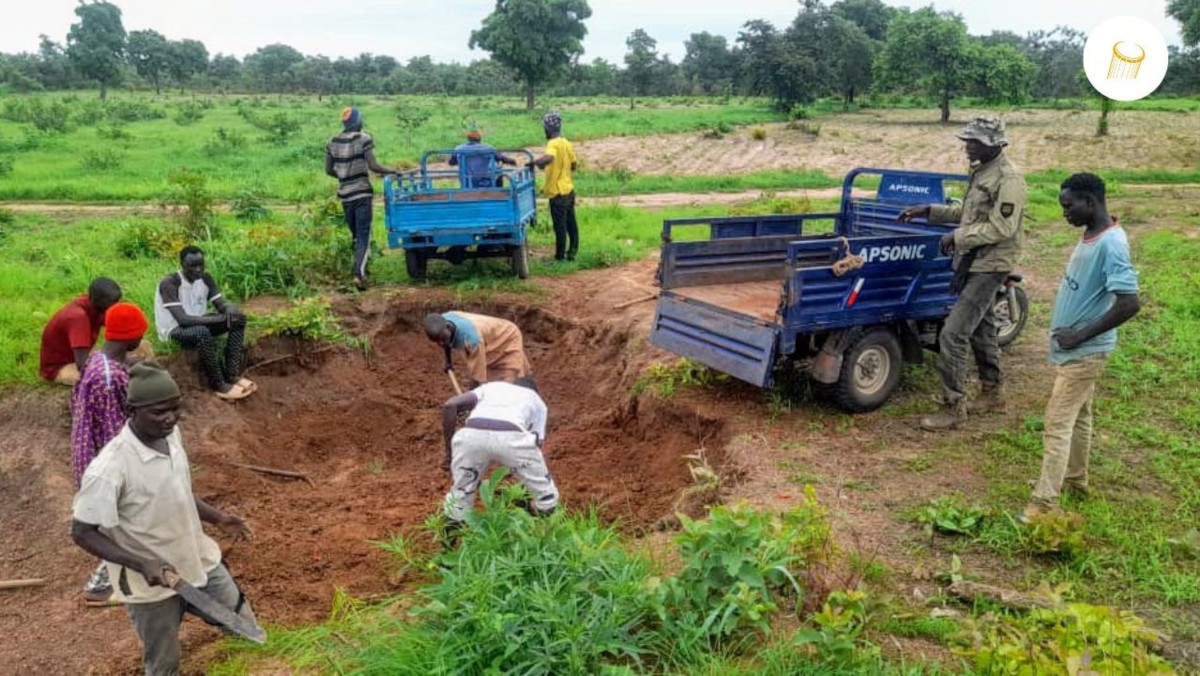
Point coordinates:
[(762, 293)]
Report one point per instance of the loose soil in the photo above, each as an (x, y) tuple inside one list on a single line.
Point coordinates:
[(367, 430), (1040, 139)]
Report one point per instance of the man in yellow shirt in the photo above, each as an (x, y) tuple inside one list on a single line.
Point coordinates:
[(559, 188)]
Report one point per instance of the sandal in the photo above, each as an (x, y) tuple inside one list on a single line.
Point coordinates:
[(247, 385), (234, 393)]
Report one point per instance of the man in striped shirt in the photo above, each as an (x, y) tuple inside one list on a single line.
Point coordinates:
[(350, 157)]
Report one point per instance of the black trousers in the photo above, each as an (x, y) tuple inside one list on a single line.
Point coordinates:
[(562, 213), (358, 219), (202, 339)]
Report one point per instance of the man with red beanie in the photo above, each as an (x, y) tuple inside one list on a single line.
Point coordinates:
[(98, 406)]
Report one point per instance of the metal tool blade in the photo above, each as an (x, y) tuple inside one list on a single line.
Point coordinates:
[(217, 612)]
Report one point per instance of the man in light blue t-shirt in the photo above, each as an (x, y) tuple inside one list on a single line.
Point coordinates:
[(1098, 293)]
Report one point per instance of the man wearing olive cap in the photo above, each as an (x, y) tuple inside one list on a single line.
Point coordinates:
[(986, 245), (136, 511)]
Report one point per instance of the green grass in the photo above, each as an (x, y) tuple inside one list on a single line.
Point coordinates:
[(86, 164), (1145, 461), (44, 262)]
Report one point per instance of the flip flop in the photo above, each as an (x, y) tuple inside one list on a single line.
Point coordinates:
[(235, 393), (248, 385)]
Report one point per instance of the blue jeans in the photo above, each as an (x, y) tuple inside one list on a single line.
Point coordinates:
[(358, 219)]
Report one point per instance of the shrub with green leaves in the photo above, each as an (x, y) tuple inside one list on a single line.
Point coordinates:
[(739, 565), (188, 114), (225, 142), (951, 515), (188, 190), (101, 161), (836, 636), (307, 319), (665, 379), (1055, 532), (1076, 639), (248, 206), (144, 238), (6, 166)]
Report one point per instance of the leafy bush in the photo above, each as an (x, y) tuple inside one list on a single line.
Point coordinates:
[(49, 116), (307, 319), (278, 128), (189, 114), (738, 565), (666, 379), (150, 239), (1076, 639), (132, 111), (224, 142), (951, 514), (1054, 532), (102, 160), (248, 206), (554, 595), (836, 637), (800, 113), (6, 166), (189, 190), (718, 131), (268, 260), (113, 132)]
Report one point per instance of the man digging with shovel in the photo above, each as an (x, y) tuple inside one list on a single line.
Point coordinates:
[(494, 347), (135, 510)]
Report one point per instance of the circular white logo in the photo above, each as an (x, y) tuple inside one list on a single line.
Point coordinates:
[(1125, 58)]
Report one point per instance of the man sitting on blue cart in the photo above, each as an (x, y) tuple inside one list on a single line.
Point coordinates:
[(476, 158)]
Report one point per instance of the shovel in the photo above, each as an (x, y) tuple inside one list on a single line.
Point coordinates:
[(213, 610)]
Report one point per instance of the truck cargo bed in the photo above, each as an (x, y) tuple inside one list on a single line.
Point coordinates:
[(755, 299)]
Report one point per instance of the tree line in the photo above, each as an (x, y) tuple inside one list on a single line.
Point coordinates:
[(846, 49)]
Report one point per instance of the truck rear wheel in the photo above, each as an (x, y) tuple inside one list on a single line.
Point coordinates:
[(414, 263), (1010, 318), (871, 369), (520, 261)]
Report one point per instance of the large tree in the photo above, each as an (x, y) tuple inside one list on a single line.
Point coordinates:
[(759, 47), (927, 51), (1002, 73), (224, 70), (536, 38), (851, 52), (641, 61), (96, 44), (316, 75), (870, 15), (149, 53), (1057, 54), (272, 68), (708, 62), (189, 58), (1187, 13)]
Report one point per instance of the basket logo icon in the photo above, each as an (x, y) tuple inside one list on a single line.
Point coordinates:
[(1127, 59)]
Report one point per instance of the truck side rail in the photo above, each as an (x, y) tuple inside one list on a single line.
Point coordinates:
[(903, 276), (738, 249)]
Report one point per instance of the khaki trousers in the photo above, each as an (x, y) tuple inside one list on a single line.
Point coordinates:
[(1067, 439)]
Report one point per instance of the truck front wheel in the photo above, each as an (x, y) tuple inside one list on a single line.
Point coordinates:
[(871, 369)]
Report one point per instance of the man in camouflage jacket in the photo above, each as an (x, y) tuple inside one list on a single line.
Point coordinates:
[(986, 245)]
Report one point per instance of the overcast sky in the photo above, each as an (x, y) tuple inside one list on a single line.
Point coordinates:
[(441, 28)]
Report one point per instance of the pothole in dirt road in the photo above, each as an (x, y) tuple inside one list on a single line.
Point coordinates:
[(368, 433)]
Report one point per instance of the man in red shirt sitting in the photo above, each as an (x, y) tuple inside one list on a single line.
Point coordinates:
[(69, 336)]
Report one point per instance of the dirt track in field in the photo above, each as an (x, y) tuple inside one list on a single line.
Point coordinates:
[(1040, 139)]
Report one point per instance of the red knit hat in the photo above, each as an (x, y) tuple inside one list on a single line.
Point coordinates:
[(124, 322)]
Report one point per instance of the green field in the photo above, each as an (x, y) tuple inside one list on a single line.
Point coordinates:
[(124, 150)]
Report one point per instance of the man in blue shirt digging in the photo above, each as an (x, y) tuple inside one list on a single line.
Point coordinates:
[(1098, 293)]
